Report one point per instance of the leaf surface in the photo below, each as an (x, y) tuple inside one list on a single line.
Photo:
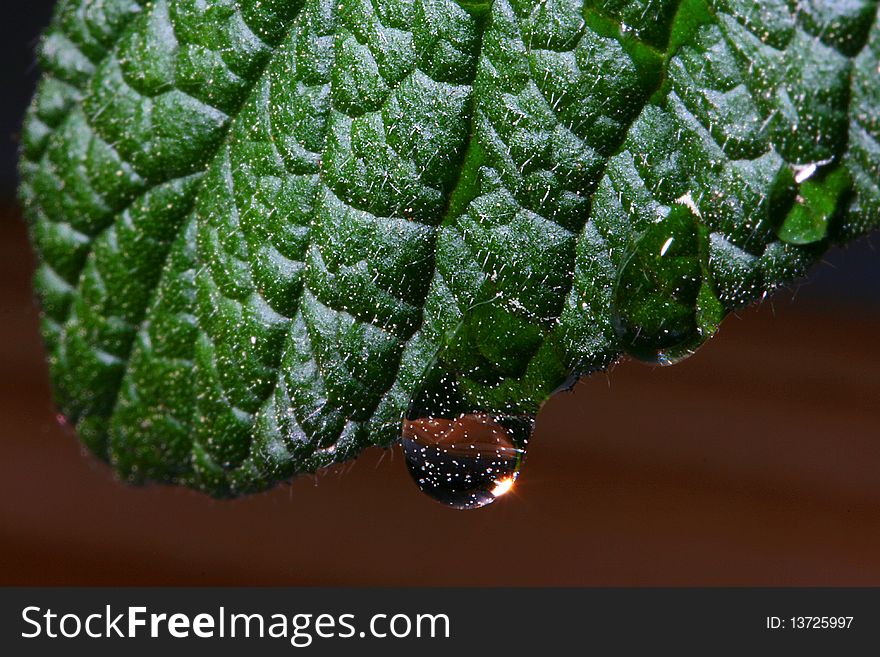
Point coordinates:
[(262, 224)]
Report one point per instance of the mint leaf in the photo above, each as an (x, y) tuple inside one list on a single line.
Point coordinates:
[(261, 223)]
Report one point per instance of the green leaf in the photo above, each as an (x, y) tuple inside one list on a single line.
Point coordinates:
[(262, 224)]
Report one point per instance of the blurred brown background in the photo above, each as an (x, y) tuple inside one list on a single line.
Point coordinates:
[(757, 462)]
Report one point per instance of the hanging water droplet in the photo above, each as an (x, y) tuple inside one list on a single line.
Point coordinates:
[(459, 456), (465, 462), (663, 304)]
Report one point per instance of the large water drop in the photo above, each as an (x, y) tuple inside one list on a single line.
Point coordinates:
[(458, 455)]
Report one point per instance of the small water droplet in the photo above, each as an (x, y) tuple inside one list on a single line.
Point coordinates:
[(458, 456), (663, 304), (822, 193)]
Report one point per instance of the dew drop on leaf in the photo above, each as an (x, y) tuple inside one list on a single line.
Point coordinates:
[(821, 195), (663, 303), (462, 457)]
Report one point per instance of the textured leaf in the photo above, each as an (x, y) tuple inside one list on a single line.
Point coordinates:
[(261, 224)]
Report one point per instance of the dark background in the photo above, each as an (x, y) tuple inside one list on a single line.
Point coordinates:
[(755, 462)]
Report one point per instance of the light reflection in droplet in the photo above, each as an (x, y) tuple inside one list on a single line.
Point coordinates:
[(465, 462)]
